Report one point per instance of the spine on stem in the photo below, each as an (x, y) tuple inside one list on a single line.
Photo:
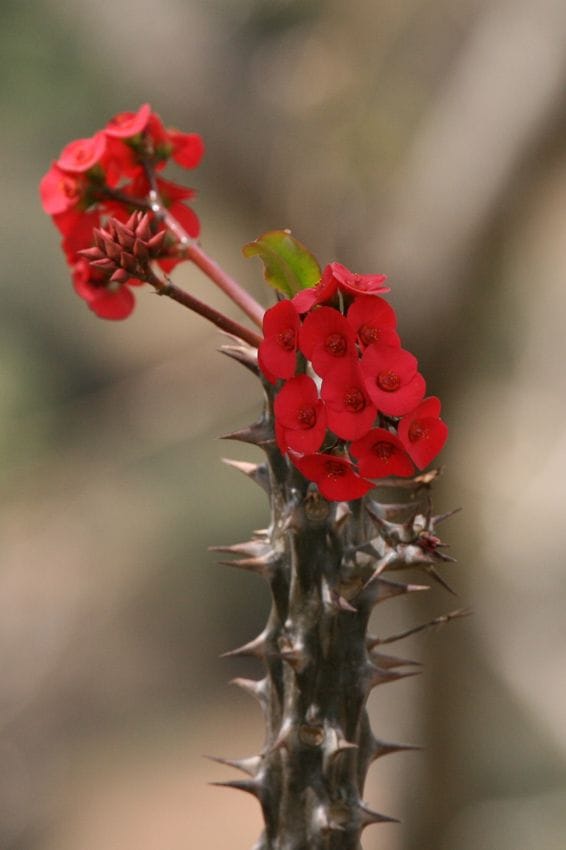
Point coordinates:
[(324, 561)]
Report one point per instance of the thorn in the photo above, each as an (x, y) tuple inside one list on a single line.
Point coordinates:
[(252, 548), (256, 648), (391, 662), (379, 676), (246, 785), (384, 748), (255, 471), (257, 434), (256, 689), (248, 765), (389, 588), (368, 817), (438, 621), (381, 589), (436, 520), (242, 353), (342, 604), (255, 565), (444, 557), (382, 565), (432, 572)]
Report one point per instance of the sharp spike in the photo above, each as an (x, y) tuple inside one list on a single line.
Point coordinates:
[(258, 434), (384, 748), (242, 353), (444, 557), (251, 548), (436, 520), (389, 588), (256, 689), (247, 785), (248, 765), (367, 816), (435, 575), (391, 662), (254, 565), (342, 604), (438, 621), (380, 676), (257, 472), (256, 648), (379, 589)]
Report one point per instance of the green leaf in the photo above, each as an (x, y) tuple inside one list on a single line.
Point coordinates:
[(289, 266)]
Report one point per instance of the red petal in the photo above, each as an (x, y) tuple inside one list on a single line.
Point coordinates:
[(358, 284), (327, 338), (186, 218), (59, 191), (380, 454), (335, 477), (275, 361), (124, 125), (324, 290), (188, 148), (113, 305), (422, 433), (82, 154)]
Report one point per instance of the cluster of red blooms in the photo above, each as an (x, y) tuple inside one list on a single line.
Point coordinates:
[(351, 406), (108, 175)]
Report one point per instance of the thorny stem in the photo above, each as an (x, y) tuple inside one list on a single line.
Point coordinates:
[(167, 287)]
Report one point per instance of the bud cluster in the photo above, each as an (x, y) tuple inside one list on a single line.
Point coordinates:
[(109, 176), (350, 402)]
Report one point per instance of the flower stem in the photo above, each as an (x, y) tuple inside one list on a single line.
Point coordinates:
[(192, 251), (167, 287), (196, 255)]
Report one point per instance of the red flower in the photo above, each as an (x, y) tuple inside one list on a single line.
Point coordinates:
[(119, 162), (188, 148), (422, 432), (326, 338), (59, 191), (301, 415), (82, 154), (278, 350), (334, 476), (392, 380), (324, 290), (124, 125), (357, 284), (380, 453), (109, 300), (374, 320), (349, 409), (76, 229)]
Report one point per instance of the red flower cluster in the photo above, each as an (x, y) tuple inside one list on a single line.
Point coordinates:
[(351, 406), (108, 175)]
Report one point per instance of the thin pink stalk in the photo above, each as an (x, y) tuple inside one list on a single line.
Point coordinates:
[(166, 287)]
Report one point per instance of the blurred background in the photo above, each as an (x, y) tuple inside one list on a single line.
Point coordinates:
[(421, 138)]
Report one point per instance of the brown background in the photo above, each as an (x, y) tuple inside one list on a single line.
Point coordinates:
[(421, 138)]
